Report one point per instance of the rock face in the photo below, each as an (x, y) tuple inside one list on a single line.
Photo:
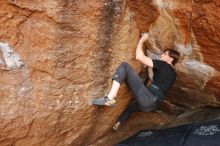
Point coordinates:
[(56, 55)]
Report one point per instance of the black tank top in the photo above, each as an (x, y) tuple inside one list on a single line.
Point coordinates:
[(164, 75)]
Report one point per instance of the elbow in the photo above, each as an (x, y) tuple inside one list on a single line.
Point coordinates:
[(138, 57)]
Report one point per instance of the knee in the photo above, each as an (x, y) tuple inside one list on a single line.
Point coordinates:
[(125, 64)]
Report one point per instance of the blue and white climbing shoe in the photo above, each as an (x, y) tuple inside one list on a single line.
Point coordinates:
[(104, 101)]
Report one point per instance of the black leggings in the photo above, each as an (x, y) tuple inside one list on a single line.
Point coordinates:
[(145, 100), (132, 107)]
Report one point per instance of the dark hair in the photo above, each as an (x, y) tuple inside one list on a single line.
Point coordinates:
[(173, 54)]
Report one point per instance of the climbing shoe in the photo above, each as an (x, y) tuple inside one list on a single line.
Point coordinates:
[(104, 101)]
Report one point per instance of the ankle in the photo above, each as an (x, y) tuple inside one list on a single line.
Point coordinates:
[(116, 126), (110, 97)]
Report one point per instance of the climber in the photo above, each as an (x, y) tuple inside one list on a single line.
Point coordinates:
[(146, 98)]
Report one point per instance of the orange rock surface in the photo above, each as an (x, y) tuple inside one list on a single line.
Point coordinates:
[(57, 55)]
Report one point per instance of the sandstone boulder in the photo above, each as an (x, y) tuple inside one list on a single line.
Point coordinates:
[(56, 55)]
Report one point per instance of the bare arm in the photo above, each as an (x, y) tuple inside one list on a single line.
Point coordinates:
[(140, 53)]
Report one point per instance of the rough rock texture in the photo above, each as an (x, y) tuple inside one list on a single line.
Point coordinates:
[(56, 55), (69, 50)]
